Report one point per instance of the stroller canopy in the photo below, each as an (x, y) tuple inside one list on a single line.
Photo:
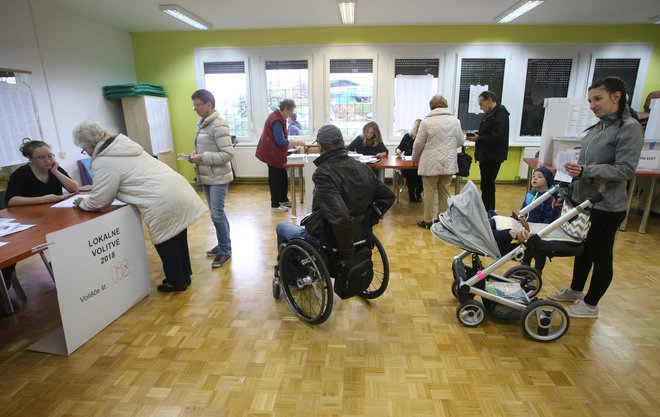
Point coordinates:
[(465, 223)]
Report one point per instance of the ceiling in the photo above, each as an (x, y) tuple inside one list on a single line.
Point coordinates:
[(144, 15)]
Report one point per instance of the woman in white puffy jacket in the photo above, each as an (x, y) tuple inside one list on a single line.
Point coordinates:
[(167, 202), (212, 158), (435, 148)]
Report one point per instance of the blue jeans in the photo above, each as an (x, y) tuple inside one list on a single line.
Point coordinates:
[(286, 231), (215, 196)]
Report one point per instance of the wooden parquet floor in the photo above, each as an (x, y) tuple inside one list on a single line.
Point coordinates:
[(226, 348)]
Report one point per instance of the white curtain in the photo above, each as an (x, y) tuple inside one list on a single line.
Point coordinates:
[(411, 99)]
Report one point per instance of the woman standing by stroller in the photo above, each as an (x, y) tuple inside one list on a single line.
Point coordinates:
[(609, 154)]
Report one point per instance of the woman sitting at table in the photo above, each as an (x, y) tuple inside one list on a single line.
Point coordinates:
[(414, 181), (370, 142), (40, 181), (165, 199)]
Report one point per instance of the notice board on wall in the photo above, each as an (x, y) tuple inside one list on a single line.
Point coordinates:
[(18, 115)]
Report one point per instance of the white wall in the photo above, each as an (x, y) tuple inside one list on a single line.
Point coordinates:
[(71, 58)]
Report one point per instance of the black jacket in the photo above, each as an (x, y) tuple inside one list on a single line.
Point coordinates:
[(493, 143), (344, 188)]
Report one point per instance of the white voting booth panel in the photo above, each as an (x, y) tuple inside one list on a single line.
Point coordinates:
[(564, 118), (100, 269), (652, 131)]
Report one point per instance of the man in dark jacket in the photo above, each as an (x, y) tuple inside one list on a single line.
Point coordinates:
[(492, 144), (343, 188)]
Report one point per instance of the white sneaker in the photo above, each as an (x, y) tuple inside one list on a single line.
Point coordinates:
[(286, 204), (565, 294), (280, 208), (582, 310)]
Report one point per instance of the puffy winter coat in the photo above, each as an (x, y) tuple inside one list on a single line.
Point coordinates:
[(437, 140), (166, 201), (213, 142)]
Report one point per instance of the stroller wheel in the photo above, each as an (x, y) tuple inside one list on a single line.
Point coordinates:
[(454, 289), (529, 278), (544, 321), (471, 313)]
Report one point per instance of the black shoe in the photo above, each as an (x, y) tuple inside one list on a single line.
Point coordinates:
[(212, 252), (188, 281), (425, 225), (166, 287)]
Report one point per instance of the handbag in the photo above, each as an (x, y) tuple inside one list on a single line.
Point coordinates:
[(464, 161), (578, 227)]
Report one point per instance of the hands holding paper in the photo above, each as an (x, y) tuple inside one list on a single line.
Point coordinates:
[(573, 169)]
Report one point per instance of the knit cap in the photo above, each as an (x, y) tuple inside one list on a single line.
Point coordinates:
[(329, 135), (547, 173)]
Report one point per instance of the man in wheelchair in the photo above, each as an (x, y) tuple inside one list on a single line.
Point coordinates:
[(346, 191)]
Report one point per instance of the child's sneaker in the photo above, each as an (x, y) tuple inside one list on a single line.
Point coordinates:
[(582, 310), (565, 294)]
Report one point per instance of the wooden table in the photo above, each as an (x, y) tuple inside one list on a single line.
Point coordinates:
[(649, 199), (292, 168), (397, 162), (393, 162), (28, 242)]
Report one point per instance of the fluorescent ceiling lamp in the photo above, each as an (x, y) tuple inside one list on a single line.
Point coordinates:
[(347, 11), (655, 19), (517, 10), (185, 16)]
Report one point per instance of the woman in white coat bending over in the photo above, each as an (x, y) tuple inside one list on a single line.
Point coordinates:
[(435, 147), (167, 202)]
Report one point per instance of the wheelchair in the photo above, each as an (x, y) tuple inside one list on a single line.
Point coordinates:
[(305, 270)]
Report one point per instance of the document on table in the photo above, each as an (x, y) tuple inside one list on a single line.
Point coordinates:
[(562, 158), (69, 202), (7, 228), (3, 243)]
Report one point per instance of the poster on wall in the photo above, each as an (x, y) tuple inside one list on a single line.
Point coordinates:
[(473, 103), (100, 269)]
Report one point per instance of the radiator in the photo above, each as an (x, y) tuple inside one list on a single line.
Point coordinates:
[(246, 165)]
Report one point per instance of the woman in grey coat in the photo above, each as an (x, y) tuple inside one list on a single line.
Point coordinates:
[(609, 155)]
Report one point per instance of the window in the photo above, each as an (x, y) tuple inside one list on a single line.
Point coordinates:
[(351, 93), (626, 69), (488, 73), (228, 83), (289, 79), (415, 82), (7, 77), (545, 78)]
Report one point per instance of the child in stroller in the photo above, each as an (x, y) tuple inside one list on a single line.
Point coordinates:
[(508, 237), (465, 224)]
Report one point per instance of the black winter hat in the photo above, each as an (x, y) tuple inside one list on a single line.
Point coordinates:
[(329, 135)]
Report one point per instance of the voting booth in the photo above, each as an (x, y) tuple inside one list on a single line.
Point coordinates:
[(100, 269)]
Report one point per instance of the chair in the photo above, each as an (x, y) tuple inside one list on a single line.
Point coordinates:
[(304, 271), (14, 279), (644, 115)]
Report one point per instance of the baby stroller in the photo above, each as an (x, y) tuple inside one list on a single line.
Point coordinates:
[(512, 295)]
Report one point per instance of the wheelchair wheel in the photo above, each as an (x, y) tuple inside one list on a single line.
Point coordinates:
[(381, 272), (471, 313), (529, 278), (306, 282), (544, 321)]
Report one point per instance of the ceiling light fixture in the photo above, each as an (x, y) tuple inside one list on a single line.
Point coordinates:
[(185, 16), (655, 20), (347, 11), (517, 10)]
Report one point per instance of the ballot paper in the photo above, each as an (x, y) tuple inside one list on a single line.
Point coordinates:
[(69, 202), (7, 228), (562, 158)]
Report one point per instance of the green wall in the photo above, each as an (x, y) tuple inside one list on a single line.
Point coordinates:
[(166, 58)]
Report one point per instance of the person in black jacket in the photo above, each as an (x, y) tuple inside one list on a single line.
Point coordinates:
[(414, 181), (492, 144), (343, 188)]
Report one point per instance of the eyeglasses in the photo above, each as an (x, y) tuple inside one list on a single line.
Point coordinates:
[(43, 157)]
